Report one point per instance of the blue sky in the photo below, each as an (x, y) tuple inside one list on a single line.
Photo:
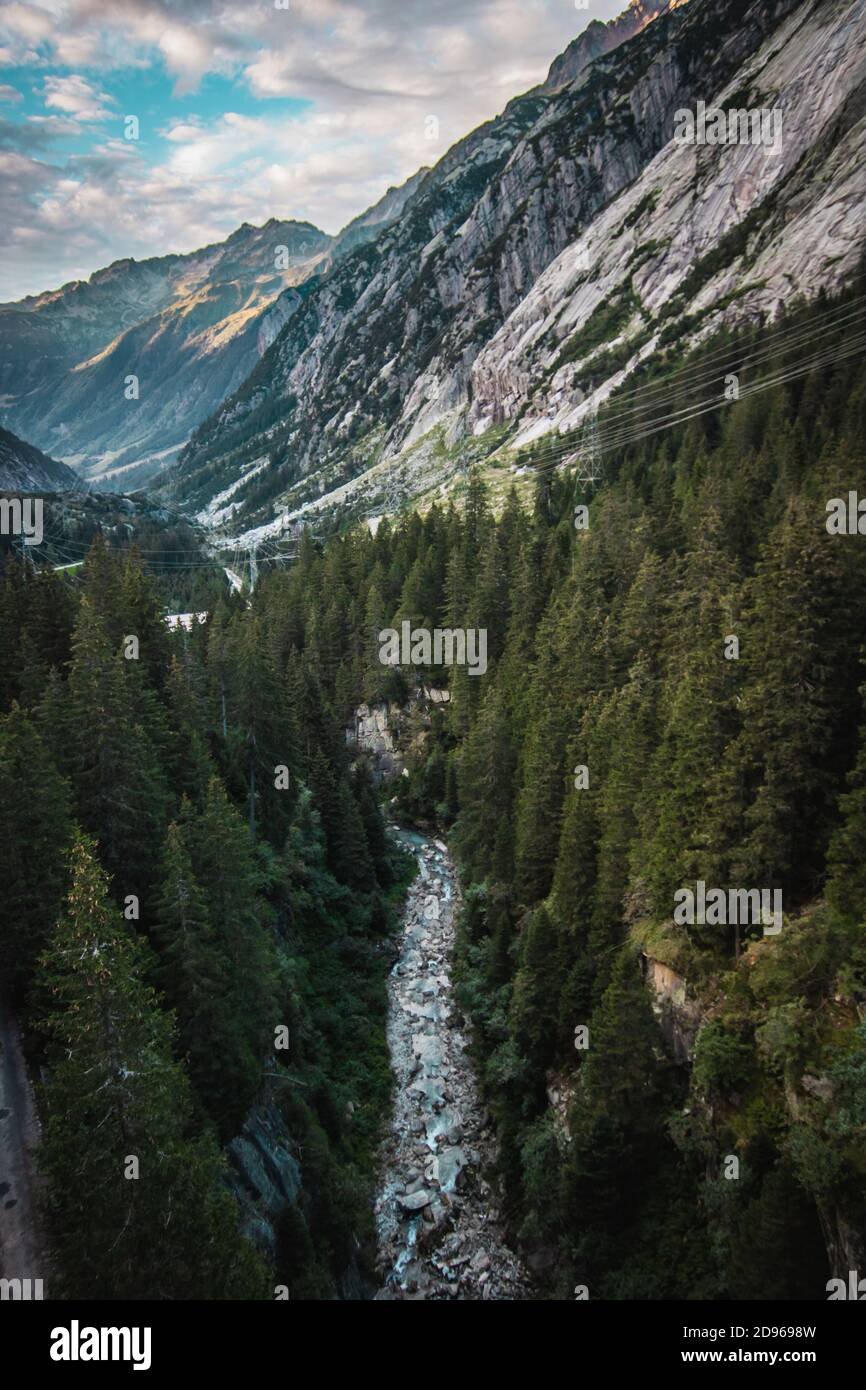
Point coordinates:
[(245, 111)]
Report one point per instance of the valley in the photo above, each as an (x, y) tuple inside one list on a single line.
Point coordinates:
[(426, 611)]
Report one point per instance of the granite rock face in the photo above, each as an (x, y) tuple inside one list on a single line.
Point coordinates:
[(265, 1174), (371, 733)]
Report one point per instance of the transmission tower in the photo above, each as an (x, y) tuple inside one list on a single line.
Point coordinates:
[(590, 466), (289, 539)]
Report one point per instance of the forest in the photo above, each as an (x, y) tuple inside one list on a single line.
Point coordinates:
[(199, 889), (620, 748), (196, 861)]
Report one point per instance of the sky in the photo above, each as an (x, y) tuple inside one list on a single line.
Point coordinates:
[(142, 127)]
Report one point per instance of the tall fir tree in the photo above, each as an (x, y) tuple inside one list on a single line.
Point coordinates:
[(145, 1211)]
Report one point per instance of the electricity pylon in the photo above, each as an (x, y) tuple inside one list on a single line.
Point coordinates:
[(590, 466)]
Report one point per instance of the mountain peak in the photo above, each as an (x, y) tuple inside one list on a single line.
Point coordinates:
[(599, 38)]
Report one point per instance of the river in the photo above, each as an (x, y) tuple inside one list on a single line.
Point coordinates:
[(439, 1226)]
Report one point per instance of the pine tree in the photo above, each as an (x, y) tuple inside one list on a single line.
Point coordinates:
[(135, 1205), (142, 616), (616, 1121), (109, 737), (846, 854), (191, 760), (374, 825), (261, 736), (11, 623), (697, 705), (487, 766), (534, 1011), (800, 707), (192, 972), (240, 956), (35, 833)]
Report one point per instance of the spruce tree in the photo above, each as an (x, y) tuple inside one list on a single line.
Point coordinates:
[(193, 972), (135, 1204), (110, 738), (35, 833), (240, 957)]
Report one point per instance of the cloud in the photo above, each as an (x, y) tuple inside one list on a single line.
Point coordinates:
[(8, 93), (55, 126), (26, 139), (369, 72), (27, 22), (76, 97)]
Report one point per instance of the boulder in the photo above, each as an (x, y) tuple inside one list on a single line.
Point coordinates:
[(415, 1201)]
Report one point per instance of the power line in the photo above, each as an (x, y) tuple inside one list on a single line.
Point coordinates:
[(625, 435), (770, 344), (628, 423), (670, 391)]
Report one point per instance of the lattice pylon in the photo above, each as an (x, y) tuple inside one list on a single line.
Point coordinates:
[(590, 466)]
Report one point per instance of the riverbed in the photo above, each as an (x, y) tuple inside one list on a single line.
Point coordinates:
[(439, 1225)]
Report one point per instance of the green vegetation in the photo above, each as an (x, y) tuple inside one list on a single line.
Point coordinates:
[(641, 209), (607, 320), (262, 906), (607, 650), (192, 865)]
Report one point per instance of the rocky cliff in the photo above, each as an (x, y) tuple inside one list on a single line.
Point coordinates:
[(380, 352)]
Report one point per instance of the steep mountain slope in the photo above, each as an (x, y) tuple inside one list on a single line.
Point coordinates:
[(24, 468), (598, 38), (367, 225), (573, 222), (706, 234), (359, 352), (189, 327)]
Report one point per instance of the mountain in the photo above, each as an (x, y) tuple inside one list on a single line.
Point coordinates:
[(367, 225), (598, 38), (549, 254), (190, 327), (24, 468)]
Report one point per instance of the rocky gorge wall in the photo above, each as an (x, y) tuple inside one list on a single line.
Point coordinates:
[(386, 732)]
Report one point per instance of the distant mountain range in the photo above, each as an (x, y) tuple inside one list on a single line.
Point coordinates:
[(190, 328)]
